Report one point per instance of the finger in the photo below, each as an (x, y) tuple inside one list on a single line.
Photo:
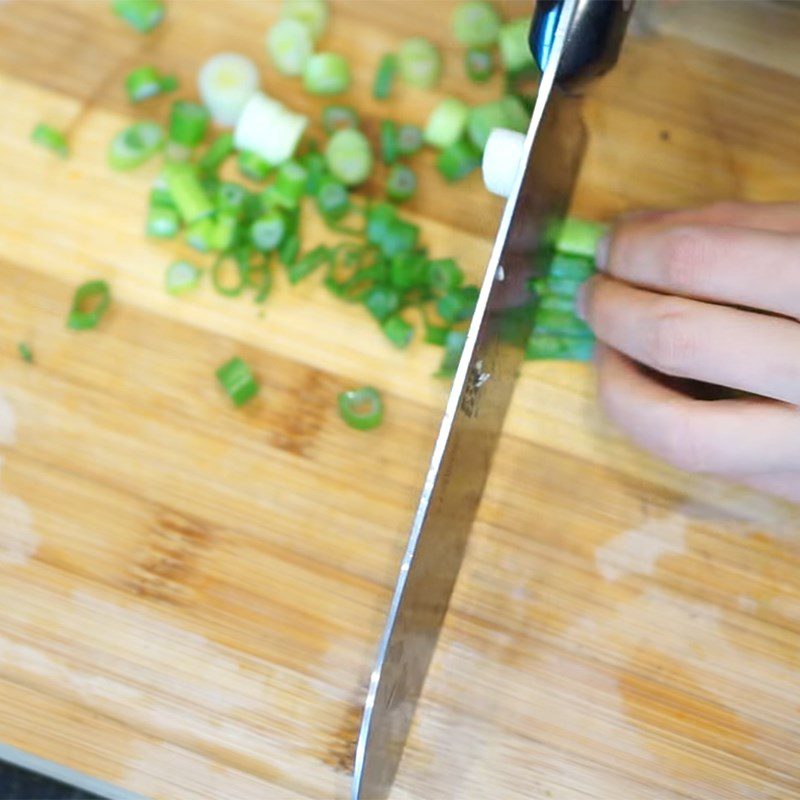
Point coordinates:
[(726, 437), (778, 217), (737, 266), (783, 484), (726, 346)]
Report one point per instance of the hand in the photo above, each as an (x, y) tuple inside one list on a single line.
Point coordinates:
[(712, 295)]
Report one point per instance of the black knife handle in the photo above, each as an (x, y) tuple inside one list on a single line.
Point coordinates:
[(593, 41)]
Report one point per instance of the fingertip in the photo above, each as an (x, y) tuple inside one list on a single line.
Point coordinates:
[(602, 250)]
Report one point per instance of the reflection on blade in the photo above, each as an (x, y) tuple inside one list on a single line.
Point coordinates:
[(473, 419)]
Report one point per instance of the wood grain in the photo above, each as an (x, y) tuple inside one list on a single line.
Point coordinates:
[(190, 595)]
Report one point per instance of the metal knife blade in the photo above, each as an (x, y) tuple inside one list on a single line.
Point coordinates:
[(469, 433)]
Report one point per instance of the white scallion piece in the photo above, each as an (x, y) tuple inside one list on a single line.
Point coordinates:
[(226, 82), (269, 129), (501, 159)]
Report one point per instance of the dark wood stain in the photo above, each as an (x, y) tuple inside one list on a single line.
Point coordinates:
[(164, 566), (341, 752), (301, 415)]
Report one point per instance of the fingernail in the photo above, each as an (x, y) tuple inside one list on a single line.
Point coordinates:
[(601, 252), (580, 302)]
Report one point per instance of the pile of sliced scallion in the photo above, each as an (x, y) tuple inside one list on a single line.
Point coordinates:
[(248, 229)]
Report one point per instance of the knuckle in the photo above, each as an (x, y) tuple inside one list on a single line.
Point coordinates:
[(670, 345)]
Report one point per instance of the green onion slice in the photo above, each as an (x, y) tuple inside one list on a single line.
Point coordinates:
[(135, 145), (290, 45), (326, 73), (401, 183), (143, 15), (89, 304), (362, 408), (335, 118), (238, 381), (476, 23), (182, 277), (349, 156), (384, 77), (188, 123), (419, 63), (47, 136)]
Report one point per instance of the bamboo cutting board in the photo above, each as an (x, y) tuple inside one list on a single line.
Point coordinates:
[(191, 596)]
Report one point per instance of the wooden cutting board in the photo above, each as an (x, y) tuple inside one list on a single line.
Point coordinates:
[(191, 596)]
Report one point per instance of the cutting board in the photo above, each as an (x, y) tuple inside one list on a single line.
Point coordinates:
[(191, 595)]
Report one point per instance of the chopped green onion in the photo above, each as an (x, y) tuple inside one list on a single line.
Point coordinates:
[(290, 45), (388, 141), (409, 140), (349, 156), (226, 82), (401, 183), (384, 77), (231, 197), (289, 250), (226, 230), (269, 129), (362, 408), (309, 263), (483, 119), (200, 234), (556, 302), (398, 331), (579, 237), (515, 51), (231, 282), (238, 381), (436, 334), (564, 348), (326, 73), (458, 160), (453, 347), (160, 196), (382, 302), (312, 13), (252, 166), (187, 192), (458, 304), (574, 267), (518, 117), (559, 323), (408, 270), (182, 277), (419, 63), (25, 352), (47, 136), (333, 199), (317, 170), (162, 222), (447, 123), (134, 145), (89, 304), (188, 123), (379, 217), (476, 24), (555, 285), (145, 82), (267, 232), (217, 152), (400, 237), (479, 64), (443, 275), (289, 186), (143, 15), (336, 117), (265, 286)]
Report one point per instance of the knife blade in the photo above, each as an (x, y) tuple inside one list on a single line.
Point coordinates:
[(473, 420)]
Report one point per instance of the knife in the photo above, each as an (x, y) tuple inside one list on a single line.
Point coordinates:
[(573, 41)]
